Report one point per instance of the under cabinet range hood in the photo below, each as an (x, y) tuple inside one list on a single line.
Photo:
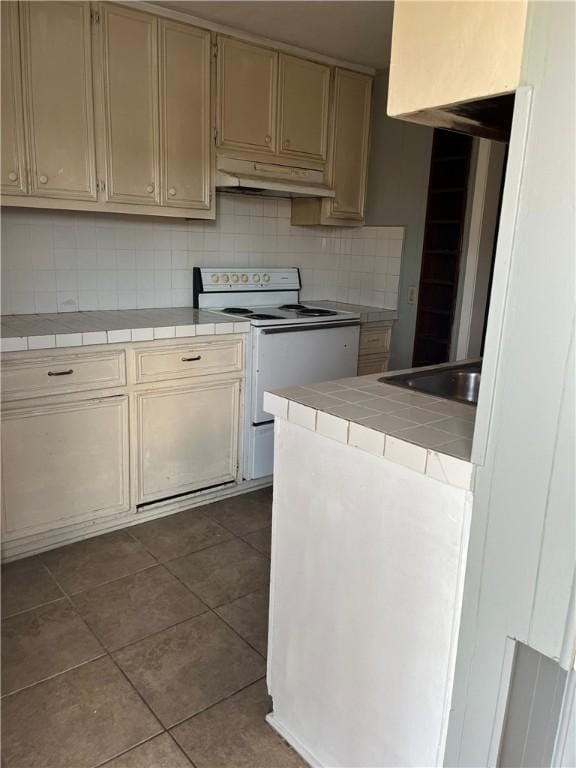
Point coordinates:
[(269, 179)]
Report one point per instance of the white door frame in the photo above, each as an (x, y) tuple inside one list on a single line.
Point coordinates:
[(477, 258)]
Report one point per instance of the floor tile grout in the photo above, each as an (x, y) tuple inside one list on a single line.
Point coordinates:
[(63, 596), (56, 674), (170, 728), (125, 751), (220, 618), (69, 595)]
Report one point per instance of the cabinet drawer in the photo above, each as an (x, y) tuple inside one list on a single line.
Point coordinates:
[(374, 341), (372, 364), (32, 376), (191, 359)]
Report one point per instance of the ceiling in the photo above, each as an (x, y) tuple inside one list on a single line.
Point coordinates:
[(358, 32)]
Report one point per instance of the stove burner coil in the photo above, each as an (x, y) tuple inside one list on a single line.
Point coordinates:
[(237, 311), (312, 312)]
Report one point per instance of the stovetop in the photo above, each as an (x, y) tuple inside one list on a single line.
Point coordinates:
[(286, 314), (265, 298)]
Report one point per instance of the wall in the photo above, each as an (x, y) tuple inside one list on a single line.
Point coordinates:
[(439, 52), (65, 261), (366, 582), (521, 561), (397, 193)]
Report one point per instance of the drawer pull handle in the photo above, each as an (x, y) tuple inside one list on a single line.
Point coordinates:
[(191, 359), (61, 373)]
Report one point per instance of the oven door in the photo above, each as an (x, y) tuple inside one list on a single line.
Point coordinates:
[(286, 356)]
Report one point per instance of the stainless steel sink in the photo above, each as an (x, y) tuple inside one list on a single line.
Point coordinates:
[(456, 382)]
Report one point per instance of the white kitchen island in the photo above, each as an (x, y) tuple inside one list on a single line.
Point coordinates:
[(370, 528)]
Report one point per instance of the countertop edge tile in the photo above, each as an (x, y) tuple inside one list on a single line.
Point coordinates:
[(76, 329), (453, 468), (368, 314)]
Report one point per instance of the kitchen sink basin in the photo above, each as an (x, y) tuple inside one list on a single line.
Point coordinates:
[(456, 382)]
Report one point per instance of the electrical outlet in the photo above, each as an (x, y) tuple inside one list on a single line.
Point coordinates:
[(412, 294)]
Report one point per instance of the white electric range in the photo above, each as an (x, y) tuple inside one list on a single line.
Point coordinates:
[(290, 344)]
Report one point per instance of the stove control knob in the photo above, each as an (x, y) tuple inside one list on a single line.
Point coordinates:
[(256, 278), (234, 278), (215, 278), (225, 278), (244, 278), (266, 278)]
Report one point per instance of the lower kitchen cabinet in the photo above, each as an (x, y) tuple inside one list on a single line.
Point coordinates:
[(374, 348), (186, 438), (64, 461)]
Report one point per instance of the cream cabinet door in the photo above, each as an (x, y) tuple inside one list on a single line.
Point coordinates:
[(185, 115), (13, 158), (186, 438), (304, 94), (130, 74), (351, 120), (64, 462), (247, 88), (57, 67)]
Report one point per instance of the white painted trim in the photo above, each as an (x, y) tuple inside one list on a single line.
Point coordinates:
[(223, 29), (304, 753), (42, 541), (458, 598), (502, 265), (502, 702), (473, 247), (564, 751)]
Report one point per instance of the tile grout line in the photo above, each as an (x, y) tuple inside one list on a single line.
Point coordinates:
[(33, 607), (109, 654), (241, 537), (141, 743), (211, 706), (220, 618), (56, 674), (256, 591)]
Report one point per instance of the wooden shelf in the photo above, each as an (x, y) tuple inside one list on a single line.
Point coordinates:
[(432, 311), (437, 281), (438, 190), (448, 158)]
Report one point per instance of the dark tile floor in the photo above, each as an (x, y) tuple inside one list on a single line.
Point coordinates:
[(144, 648)]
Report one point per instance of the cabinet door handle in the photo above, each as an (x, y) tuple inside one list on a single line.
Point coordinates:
[(286, 143), (43, 179), (150, 188), (61, 373), (172, 191), (13, 176), (268, 139), (191, 359)]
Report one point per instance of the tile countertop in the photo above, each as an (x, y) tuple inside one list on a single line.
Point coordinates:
[(428, 434), (77, 329), (367, 314)]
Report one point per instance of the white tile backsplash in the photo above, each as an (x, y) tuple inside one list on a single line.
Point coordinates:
[(66, 261)]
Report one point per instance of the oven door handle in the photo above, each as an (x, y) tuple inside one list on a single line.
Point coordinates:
[(315, 327)]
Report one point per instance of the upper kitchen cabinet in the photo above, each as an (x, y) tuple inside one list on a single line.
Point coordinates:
[(185, 115), (58, 103), (130, 93), (303, 110), (456, 65), (105, 108), (13, 160), (347, 157), (247, 97)]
